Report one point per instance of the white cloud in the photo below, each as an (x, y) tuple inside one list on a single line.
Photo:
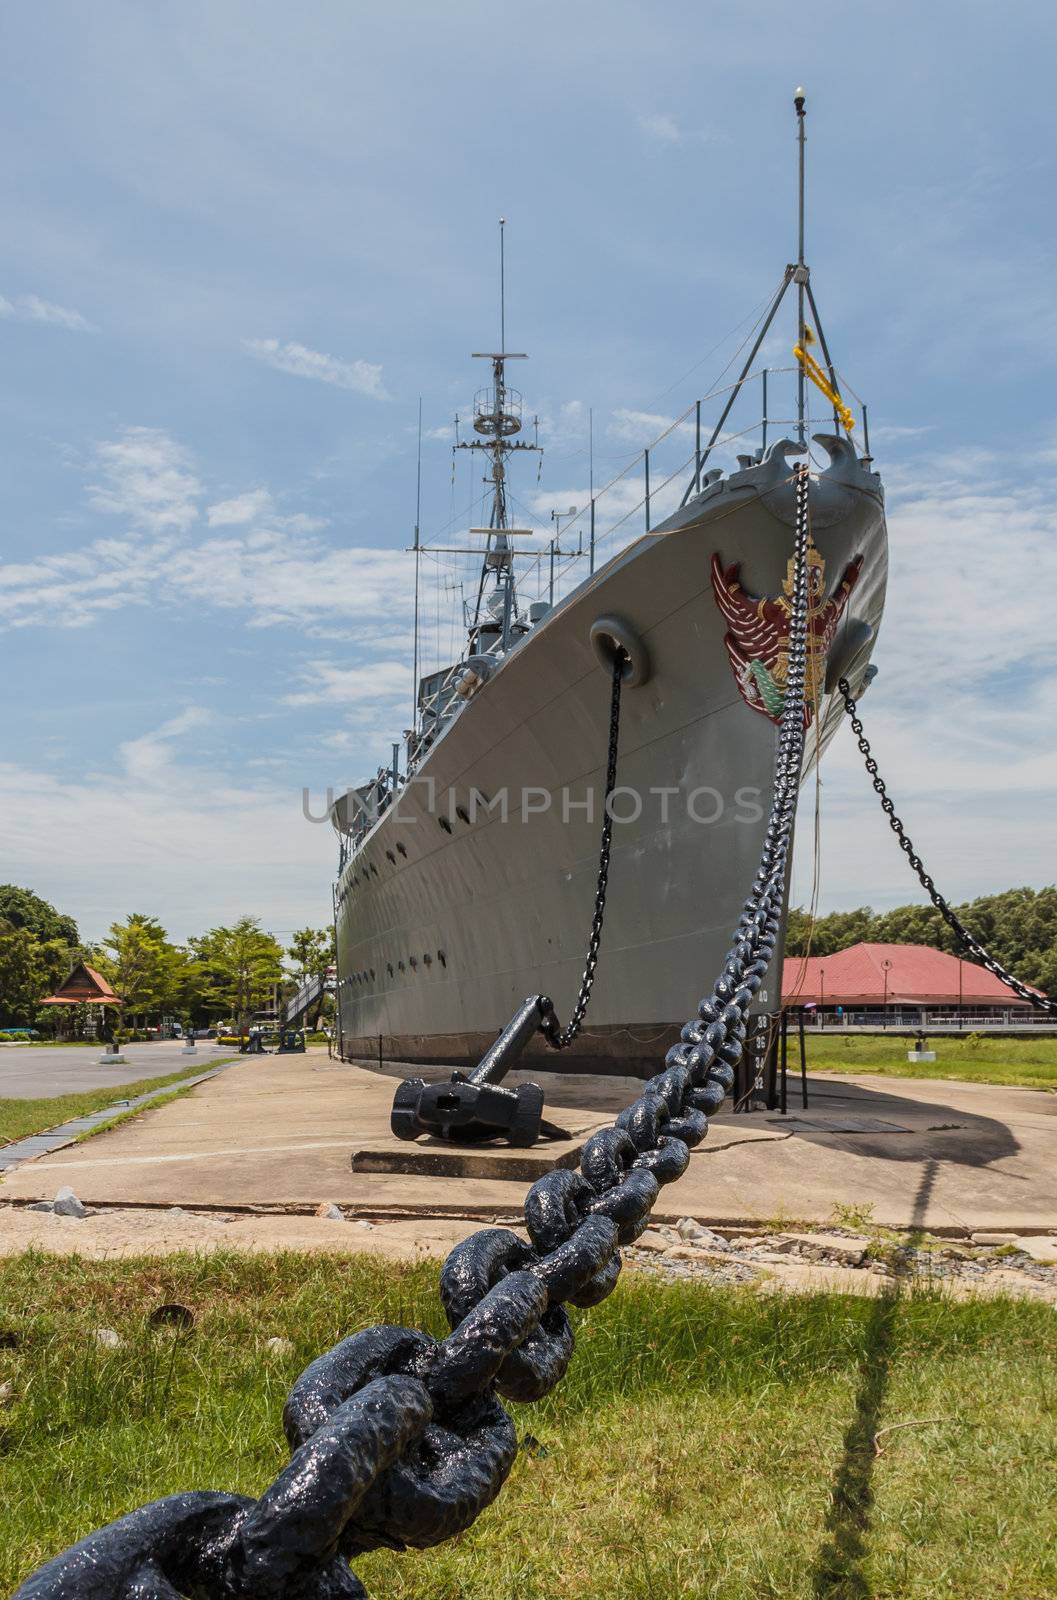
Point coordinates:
[(643, 427), (370, 682), (962, 715), (567, 425), (272, 569), (31, 308), (243, 508), (270, 576), (896, 433), (178, 839), (364, 377), (661, 127), (146, 477), (150, 757)]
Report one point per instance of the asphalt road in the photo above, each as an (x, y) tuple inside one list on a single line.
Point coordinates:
[(41, 1072)]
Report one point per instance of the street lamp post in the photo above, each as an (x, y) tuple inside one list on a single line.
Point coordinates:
[(821, 997), (886, 966), (960, 999)]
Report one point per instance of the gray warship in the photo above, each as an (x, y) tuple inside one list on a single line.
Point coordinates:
[(468, 869)]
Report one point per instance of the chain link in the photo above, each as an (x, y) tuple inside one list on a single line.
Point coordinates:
[(400, 1440), (561, 1038), (950, 917)]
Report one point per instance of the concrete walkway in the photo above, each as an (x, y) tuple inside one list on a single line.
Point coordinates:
[(277, 1134), (39, 1144)]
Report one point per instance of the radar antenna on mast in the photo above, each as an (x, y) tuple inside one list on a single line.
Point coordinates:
[(497, 419)]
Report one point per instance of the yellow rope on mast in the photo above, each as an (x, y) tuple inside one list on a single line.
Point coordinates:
[(818, 378)]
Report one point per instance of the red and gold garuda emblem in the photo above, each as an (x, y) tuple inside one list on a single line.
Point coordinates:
[(758, 640)]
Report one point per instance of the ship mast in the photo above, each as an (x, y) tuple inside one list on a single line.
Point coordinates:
[(497, 419), (801, 274), (797, 272)]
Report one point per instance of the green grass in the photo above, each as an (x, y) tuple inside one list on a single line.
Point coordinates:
[(19, 1118), (53, 1044), (709, 1444), (981, 1058)]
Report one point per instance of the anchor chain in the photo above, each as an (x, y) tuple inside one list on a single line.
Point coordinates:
[(400, 1440), (950, 917), (557, 1037)]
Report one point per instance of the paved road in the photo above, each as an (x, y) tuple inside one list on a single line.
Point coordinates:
[(39, 1072)]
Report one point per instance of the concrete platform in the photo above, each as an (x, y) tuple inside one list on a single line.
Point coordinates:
[(439, 1158), (277, 1134)]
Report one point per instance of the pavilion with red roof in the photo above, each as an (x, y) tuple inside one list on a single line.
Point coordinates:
[(84, 986), (869, 982)]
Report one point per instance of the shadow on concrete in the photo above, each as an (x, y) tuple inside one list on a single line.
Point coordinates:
[(839, 1569), (924, 1129)]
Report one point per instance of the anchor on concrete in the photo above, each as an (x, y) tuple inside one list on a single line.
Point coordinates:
[(470, 1108)]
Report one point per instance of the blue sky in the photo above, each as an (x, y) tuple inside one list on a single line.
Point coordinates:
[(239, 241)]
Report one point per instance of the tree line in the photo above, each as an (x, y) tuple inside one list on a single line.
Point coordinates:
[(224, 974), (1019, 927)]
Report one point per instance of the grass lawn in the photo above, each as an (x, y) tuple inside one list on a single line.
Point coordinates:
[(705, 1443), (19, 1118), (1029, 1063)]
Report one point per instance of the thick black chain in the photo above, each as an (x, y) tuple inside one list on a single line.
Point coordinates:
[(557, 1037), (951, 918), (398, 1439)]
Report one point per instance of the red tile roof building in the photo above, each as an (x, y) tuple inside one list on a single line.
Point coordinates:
[(915, 975), (84, 984)]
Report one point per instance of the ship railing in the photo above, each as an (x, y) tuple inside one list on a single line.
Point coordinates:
[(673, 467), (375, 799), (439, 707)]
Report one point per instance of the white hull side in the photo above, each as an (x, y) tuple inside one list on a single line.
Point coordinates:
[(472, 921)]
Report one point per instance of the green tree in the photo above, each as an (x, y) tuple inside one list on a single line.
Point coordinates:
[(29, 969), (237, 966), (823, 935), (1018, 926), (37, 947), (136, 958), (22, 909)]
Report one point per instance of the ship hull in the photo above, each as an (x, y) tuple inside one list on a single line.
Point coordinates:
[(477, 887)]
